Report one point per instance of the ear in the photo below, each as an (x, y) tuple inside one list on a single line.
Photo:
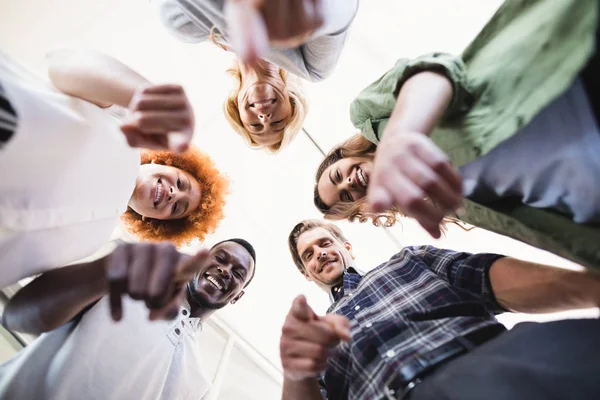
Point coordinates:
[(236, 298), (308, 278), (348, 247)]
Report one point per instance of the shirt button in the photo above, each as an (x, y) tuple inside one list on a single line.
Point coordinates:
[(390, 353), (357, 308), (177, 331), (369, 325), (184, 312)]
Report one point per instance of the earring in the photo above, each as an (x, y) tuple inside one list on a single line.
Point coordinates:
[(143, 218)]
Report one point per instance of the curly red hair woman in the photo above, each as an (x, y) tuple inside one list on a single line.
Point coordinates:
[(163, 175)]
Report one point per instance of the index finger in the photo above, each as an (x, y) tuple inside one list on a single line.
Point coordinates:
[(168, 88), (301, 310), (190, 267), (439, 162), (247, 31), (116, 275)]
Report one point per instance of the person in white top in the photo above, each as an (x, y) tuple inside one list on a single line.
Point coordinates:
[(272, 39), (146, 355), (70, 172)]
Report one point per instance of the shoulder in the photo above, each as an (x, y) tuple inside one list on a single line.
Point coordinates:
[(184, 20)]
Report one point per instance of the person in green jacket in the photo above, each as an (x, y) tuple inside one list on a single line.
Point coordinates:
[(510, 125)]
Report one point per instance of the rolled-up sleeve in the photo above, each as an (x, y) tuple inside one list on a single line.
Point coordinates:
[(376, 102), (465, 271)]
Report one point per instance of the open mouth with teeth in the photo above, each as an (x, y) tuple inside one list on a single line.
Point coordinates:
[(216, 282), (159, 192), (362, 177), (262, 103)]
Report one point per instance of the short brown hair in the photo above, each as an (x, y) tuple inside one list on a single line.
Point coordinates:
[(204, 220), (305, 226)]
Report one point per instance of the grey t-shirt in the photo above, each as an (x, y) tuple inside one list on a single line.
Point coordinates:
[(553, 162), (192, 21)]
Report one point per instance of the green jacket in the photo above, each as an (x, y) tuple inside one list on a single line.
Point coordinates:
[(529, 53)]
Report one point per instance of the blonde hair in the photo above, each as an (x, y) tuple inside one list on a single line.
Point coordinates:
[(358, 146), (232, 113), (297, 100)]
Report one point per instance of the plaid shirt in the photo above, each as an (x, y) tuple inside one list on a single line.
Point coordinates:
[(420, 299)]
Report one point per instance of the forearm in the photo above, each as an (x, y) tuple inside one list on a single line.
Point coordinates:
[(422, 101), (55, 298), (527, 287), (93, 77), (307, 389)]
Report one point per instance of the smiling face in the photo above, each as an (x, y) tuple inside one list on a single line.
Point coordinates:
[(163, 192), (223, 281), (265, 112), (345, 180), (323, 256)]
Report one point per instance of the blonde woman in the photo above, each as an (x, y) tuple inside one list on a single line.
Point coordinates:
[(267, 107)]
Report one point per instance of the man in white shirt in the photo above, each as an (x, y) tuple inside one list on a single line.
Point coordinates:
[(85, 354)]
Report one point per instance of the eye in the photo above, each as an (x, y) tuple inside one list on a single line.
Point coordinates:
[(326, 244), (220, 259), (174, 208), (278, 122), (346, 196), (338, 175), (255, 125), (307, 256), (178, 183)]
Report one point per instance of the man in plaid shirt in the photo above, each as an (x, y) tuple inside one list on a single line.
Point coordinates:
[(423, 325)]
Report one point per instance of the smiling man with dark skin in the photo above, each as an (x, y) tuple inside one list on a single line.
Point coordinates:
[(125, 326)]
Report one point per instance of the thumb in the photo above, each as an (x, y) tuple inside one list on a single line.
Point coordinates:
[(190, 266), (301, 310), (178, 142), (340, 324), (247, 30)]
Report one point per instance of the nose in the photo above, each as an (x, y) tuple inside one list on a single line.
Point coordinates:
[(224, 272), (174, 194), (264, 116), (349, 183), (322, 255)]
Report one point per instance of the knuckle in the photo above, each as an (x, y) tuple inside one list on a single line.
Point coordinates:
[(429, 183)]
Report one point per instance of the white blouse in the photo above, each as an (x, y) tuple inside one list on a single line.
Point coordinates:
[(67, 176)]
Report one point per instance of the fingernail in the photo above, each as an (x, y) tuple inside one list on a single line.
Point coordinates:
[(460, 211)]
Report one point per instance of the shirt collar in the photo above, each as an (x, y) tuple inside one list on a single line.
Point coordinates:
[(351, 278)]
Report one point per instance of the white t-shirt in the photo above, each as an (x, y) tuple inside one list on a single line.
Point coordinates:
[(98, 359), (67, 175)]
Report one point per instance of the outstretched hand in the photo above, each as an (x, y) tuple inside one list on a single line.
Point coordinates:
[(413, 175), (161, 118), (254, 25), (307, 340), (155, 273)]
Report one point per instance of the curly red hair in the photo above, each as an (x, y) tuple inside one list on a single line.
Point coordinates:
[(204, 220)]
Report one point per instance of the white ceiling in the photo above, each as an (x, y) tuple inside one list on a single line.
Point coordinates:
[(269, 193)]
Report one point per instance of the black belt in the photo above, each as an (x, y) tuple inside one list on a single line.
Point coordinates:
[(412, 372)]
